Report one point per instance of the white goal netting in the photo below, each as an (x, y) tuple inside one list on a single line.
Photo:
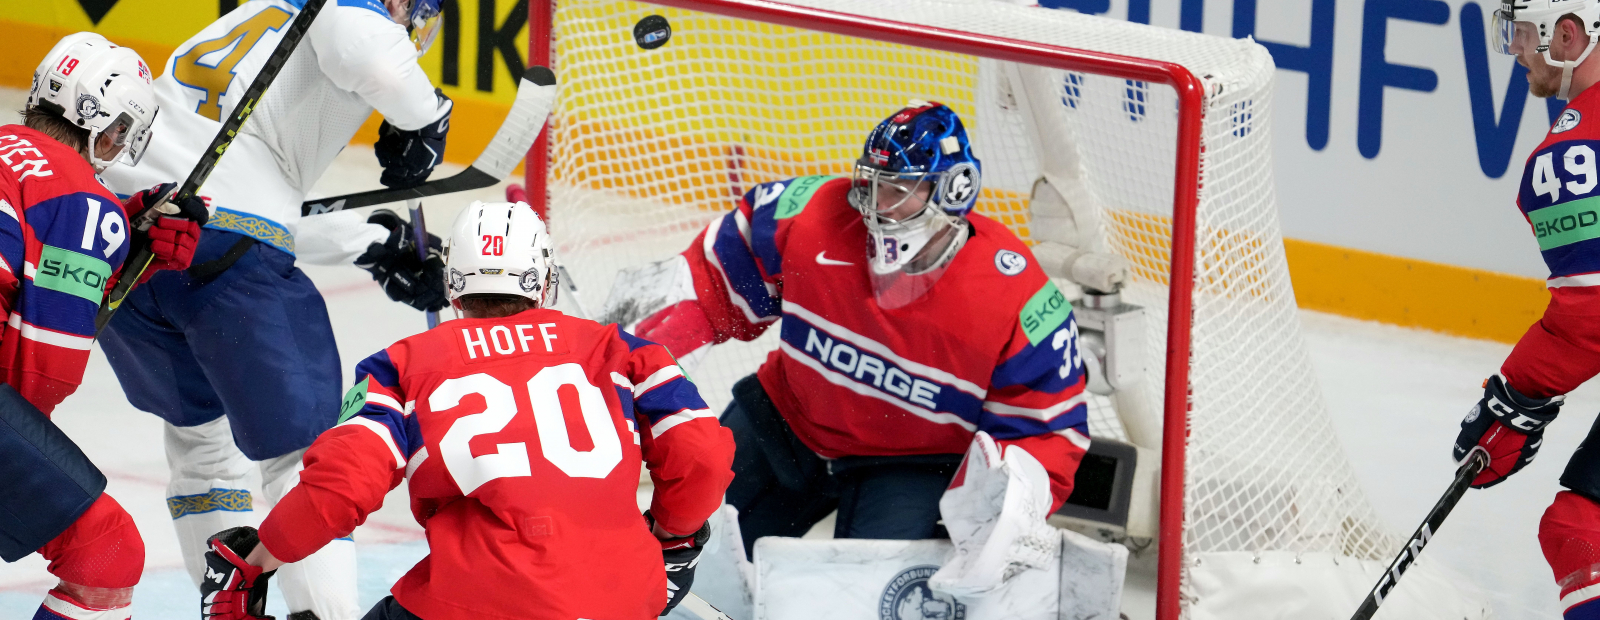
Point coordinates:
[(647, 146)]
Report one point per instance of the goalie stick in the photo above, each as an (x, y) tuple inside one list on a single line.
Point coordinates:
[(1475, 462), (134, 268), (536, 93), (699, 607)]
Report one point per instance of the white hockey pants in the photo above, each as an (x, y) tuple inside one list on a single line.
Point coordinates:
[(209, 493)]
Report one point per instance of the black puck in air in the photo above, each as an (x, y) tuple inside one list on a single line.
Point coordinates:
[(652, 32)]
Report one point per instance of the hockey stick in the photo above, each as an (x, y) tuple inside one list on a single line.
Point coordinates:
[(419, 236), (1476, 461), (699, 607), (536, 93), (134, 268)]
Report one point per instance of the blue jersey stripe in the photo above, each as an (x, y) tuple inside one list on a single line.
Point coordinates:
[(740, 266), (625, 396), (1038, 366), (381, 368), (764, 238), (413, 430), (1016, 427), (55, 310), (13, 245), (1567, 260), (669, 398), (634, 342), (880, 374), (391, 420)]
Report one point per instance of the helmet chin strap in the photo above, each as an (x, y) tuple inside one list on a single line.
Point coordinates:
[(1566, 69)]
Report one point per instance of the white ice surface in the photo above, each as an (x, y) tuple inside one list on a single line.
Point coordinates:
[(1396, 397)]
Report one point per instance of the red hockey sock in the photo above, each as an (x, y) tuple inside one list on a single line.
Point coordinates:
[(102, 549), (1569, 533), (65, 602)]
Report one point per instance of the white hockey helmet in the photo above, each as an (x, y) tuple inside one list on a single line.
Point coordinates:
[(101, 87), (1522, 23), (501, 248)]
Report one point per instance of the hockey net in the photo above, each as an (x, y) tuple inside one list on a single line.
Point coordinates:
[(647, 146)]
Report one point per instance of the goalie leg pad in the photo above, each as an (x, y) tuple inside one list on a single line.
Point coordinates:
[(1569, 534), (101, 549), (49, 481)]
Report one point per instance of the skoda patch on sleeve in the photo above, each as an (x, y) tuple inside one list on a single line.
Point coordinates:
[(354, 400), (1044, 312), (795, 197), (72, 273)]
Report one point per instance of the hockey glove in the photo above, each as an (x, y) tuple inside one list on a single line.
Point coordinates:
[(173, 237), (1509, 426), (404, 276), (233, 589), (681, 555), (408, 157)]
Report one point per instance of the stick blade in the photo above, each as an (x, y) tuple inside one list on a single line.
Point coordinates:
[(536, 95)]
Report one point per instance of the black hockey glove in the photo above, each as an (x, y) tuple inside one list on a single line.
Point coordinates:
[(404, 276), (1507, 425), (233, 589), (408, 157), (681, 555)]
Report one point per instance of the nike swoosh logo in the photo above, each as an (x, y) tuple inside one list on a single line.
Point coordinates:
[(823, 260)]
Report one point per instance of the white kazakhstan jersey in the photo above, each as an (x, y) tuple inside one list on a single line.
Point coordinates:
[(354, 58)]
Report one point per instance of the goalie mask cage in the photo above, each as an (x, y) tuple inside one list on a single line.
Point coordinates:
[(1171, 132)]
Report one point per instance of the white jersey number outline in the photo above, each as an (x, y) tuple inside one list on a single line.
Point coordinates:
[(510, 460)]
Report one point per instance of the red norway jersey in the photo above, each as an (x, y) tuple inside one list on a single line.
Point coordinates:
[(1559, 198), (992, 346), (62, 237), (521, 438)]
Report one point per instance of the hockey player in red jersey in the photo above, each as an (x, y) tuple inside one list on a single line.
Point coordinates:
[(521, 432), (62, 237), (1554, 39), (891, 360)]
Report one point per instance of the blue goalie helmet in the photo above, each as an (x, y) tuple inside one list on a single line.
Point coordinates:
[(424, 23), (925, 143)]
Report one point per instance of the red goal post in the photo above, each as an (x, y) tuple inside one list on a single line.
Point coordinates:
[(1191, 95)]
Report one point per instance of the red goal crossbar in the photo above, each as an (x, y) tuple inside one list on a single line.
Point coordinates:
[(1185, 199)]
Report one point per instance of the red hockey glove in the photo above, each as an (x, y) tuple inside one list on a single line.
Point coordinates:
[(233, 589), (1509, 426), (174, 236), (681, 555)]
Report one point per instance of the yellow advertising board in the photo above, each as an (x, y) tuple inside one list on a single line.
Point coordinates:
[(475, 60)]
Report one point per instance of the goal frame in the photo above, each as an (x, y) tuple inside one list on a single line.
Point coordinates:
[(1186, 196)]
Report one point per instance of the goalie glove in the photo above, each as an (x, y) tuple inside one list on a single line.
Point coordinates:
[(233, 589), (404, 276), (995, 511), (1509, 426), (681, 555)]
